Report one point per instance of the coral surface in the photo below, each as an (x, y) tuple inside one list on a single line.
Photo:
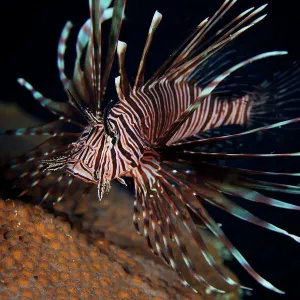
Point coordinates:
[(42, 257)]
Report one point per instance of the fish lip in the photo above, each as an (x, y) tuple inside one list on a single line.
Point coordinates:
[(87, 179)]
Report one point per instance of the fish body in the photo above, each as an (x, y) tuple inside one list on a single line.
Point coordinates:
[(138, 122), (158, 133)]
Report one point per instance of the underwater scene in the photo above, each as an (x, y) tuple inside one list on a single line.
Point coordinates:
[(150, 150)]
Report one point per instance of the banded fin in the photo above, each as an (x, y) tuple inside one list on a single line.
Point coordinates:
[(57, 108), (198, 143), (196, 206), (49, 129), (61, 49), (139, 82), (95, 76), (122, 83), (117, 17), (199, 48), (156, 211)]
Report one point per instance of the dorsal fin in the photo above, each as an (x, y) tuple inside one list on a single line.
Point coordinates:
[(90, 83), (118, 14), (139, 81), (94, 51)]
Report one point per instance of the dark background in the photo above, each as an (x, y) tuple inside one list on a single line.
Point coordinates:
[(29, 36)]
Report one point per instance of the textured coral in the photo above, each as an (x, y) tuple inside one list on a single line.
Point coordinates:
[(42, 257)]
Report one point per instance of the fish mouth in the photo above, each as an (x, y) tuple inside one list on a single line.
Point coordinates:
[(81, 171)]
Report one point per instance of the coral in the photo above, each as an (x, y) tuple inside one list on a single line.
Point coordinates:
[(42, 257)]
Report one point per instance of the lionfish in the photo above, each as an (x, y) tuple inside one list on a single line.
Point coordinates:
[(158, 133)]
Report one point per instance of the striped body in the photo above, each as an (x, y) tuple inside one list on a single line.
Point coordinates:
[(157, 107), (138, 122)]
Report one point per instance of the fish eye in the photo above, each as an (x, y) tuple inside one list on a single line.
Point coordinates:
[(114, 139)]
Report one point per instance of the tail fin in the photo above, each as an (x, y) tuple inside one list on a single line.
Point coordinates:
[(277, 99)]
